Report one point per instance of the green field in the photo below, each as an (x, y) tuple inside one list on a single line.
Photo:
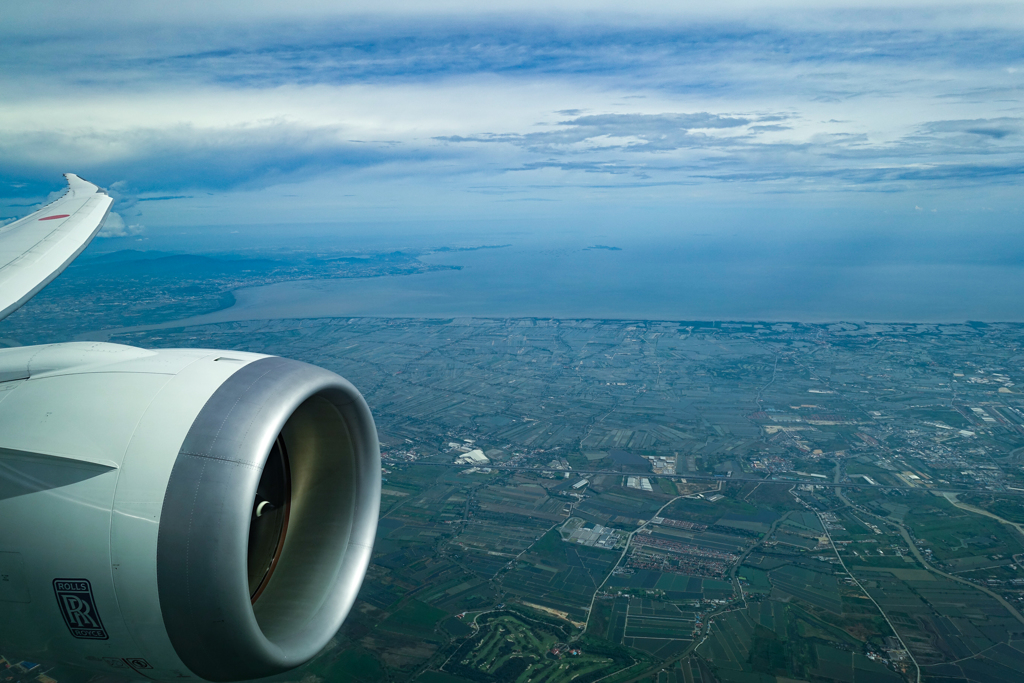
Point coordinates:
[(703, 511), (415, 618), (352, 666), (816, 588), (560, 575), (438, 677), (955, 533), (679, 583), (512, 647), (772, 638), (657, 619), (1009, 508), (755, 581)]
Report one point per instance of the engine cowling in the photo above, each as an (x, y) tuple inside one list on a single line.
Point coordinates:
[(182, 513)]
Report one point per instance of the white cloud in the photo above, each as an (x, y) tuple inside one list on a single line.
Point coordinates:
[(43, 15), (115, 226), (532, 107)]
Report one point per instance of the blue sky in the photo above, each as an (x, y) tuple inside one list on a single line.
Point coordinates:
[(550, 114)]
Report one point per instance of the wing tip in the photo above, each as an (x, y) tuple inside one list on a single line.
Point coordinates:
[(78, 184)]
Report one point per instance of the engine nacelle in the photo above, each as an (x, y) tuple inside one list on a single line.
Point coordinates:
[(181, 513)]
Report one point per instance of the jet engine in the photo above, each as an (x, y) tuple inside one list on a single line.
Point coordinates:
[(179, 513)]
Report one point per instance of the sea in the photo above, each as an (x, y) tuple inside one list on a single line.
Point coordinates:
[(748, 276)]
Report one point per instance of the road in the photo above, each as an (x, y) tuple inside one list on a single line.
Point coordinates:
[(713, 478), (735, 568), (924, 563), (625, 549), (824, 525), (951, 497)]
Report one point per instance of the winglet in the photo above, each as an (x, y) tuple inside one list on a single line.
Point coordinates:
[(76, 185)]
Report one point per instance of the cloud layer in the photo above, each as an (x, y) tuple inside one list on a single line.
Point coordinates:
[(833, 101)]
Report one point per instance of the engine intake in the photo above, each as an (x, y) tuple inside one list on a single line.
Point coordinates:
[(268, 521)]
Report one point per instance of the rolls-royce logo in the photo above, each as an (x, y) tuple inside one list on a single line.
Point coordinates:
[(79, 608)]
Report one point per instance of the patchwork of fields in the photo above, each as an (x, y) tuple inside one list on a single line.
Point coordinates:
[(745, 564)]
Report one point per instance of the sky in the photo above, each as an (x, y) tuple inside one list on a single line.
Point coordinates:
[(271, 118)]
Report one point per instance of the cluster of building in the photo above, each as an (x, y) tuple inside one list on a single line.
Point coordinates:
[(770, 464), (641, 483), (473, 457), (598, 536), (690, 565), (679, 524), (560, 650), (662, 464), (400, 454), (645, 539), (831, 522)]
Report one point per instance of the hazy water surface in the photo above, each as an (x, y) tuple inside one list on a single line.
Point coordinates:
[(691, 280)]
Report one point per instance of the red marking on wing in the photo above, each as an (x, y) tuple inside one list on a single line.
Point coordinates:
[(53, 218)]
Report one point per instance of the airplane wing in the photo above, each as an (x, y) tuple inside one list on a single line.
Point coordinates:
[(37, 248)]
